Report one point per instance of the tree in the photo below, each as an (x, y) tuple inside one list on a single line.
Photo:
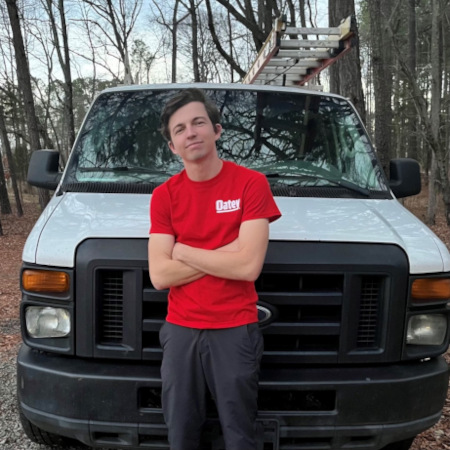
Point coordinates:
[(258, 26), (228, 56), (118, 18), (429, 115), (381, 58), (142, 59), (412, 62), (172, 27), (63, 53), (9, 157), (5, 205), (439, 168), (345, 74), (24, 81)]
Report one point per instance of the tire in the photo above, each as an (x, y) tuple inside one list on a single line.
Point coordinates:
[(40, 436), (400, 445)]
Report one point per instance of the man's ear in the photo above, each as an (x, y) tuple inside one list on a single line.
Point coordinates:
[(218, 130), (171, 146)]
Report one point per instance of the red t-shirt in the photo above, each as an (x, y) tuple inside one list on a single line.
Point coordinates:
[(208, 215)]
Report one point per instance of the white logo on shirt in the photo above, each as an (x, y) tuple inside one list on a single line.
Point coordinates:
[(224, 206)]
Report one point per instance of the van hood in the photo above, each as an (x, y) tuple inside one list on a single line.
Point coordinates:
[(74, 217)]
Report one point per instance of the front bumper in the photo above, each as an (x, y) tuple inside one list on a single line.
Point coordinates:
[(116, 404)]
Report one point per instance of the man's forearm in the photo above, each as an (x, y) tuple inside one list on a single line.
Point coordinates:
[(233, 265), (242, 260), (175, 273)]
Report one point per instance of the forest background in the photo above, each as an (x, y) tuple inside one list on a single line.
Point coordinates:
[(57, 55)]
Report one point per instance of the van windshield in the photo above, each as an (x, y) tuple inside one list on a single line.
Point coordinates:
[(299, 141)]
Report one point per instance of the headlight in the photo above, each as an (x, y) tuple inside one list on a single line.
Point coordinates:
[(427, 329), (47, 322)]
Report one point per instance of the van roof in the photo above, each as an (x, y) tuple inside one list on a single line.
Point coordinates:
[(219, 86)]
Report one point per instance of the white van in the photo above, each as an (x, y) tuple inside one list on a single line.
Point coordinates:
[(352, 297)]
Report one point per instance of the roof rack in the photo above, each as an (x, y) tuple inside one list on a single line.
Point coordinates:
[(294, 62)]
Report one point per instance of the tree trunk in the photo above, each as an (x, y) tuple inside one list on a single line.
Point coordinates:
[(379, 12), (120, 34), (435, 107), (12, 169), (68, 87), (345, 74), (432, 199), (412, 62), (174, 42), (24, 81), (5, 205), (194, 31)]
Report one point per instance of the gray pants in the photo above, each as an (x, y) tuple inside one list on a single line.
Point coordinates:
[(225, 361)]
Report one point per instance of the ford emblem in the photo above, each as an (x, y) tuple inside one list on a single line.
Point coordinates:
[(264, 314)]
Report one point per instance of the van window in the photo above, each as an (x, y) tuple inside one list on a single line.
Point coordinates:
[(299, 141)]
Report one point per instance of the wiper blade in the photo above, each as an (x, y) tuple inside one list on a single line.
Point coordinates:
[(343, 183), (352, 187), (122, 169)]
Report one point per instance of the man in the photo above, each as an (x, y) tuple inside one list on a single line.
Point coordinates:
[(208, 240)]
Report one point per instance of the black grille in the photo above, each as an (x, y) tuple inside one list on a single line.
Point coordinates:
[(307, 314), (322, 304), (111, 311)]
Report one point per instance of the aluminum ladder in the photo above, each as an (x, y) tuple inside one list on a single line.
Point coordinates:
[(284, 61)]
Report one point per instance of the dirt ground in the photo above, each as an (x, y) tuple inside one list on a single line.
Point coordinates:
[(16, 229)]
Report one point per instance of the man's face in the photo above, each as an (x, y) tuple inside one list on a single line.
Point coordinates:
[(192, 134)]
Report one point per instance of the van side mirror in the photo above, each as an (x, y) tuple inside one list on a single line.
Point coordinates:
[(404, 177), (43, 169)]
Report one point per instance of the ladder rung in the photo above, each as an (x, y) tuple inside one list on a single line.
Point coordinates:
[(299, 43), (281, 70), (280, 62), (304, 54), (287, 76), (279, 82), (336, 31)]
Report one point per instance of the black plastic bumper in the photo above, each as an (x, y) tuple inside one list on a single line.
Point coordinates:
[(115, 404)]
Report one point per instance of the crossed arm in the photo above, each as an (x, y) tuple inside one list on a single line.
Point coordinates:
[(174, 264)]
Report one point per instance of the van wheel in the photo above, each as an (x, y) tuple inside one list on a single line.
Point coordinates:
[(401, 445), (40, 436)]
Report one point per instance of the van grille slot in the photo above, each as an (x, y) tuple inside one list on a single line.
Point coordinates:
[(111, 309), (369, 312)]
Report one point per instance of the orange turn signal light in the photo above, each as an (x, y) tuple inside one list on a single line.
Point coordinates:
[(45, 281), (431, 289)]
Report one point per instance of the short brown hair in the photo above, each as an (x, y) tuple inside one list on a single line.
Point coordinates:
[(181, 99)]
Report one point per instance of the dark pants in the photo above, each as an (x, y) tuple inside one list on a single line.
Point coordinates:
[(225, 361)]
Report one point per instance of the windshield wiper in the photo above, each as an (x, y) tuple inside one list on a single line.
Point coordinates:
[(343, 183), (123, 169)]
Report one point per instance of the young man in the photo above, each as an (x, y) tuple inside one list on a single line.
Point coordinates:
[(208, 240)]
